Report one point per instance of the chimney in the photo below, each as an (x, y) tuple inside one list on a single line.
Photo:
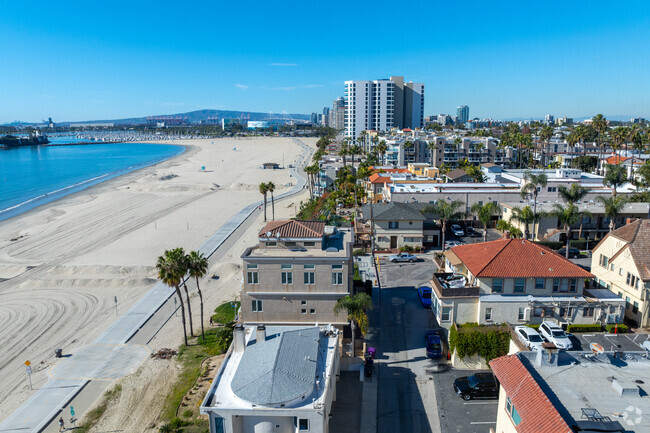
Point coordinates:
[(261, 333), (506, 234), (548, 356), (239, 338), (629, 220)]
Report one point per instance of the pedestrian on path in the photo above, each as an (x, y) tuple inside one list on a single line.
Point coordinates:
[(211, 322), (61, 425)]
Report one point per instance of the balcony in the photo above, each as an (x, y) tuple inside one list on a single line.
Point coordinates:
[(448, 285)]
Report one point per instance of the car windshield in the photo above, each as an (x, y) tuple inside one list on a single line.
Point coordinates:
[(426, 294), (472, 381), (434, 346), (533, 338), (559, 334)]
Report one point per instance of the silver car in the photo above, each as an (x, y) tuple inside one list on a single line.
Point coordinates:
[(529, 337), (554, 334), (402, 257)]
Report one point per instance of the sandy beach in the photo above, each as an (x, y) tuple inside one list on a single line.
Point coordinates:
[(61, 265)]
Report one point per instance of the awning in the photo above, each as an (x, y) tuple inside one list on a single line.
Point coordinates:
[(453, 258)]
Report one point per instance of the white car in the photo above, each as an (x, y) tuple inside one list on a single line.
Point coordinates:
[(529, 337), (554, 334), (403, 257), (457, 230), (451, 244)]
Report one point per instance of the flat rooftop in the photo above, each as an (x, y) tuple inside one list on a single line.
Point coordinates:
[(335, 245), (595, 208)]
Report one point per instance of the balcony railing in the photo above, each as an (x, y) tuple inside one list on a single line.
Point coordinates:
[(442, 282)]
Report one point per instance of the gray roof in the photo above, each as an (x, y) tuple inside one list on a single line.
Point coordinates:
[(393, 211), (280, 369)]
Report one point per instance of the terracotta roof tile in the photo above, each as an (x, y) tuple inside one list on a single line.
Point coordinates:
[(516, 258), (533, 406), (378, 178), (293, 229), (637, 236), (616, 159)]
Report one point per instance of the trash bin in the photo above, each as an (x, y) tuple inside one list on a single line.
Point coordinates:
[(58, 353)]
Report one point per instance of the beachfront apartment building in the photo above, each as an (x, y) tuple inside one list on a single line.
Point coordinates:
[(621, 263), (519, 282), (278, 379), (380, 105), (296, 274)]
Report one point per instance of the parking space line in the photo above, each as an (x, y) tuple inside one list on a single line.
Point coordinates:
[(483, 402), (483, 422)]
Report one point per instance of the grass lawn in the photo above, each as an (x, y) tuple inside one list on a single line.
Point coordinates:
[(225, 313)]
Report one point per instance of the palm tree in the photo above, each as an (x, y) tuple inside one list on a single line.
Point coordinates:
[(432, 146), (356, 307), (613, 206), (183, 267), (503, 225), (599, 123), (446, 211), (270, 187), (568, 215), (169, 273), (264, 189), (545, 134), (615, 176), (533, 182), (382, 147), (344, 151), (524, 216), (197, 266), (572, 140), (574, 194), (484, 213)]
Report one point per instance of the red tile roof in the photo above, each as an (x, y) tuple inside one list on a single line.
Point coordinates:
[(616, 159), (390, 170), (293, 229), (533, 406), (516, 258), (378, 178), (637, 237)]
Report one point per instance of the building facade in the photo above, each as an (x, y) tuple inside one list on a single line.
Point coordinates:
[(462, 114)]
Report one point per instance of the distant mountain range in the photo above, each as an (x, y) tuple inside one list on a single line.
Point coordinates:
[(192, 117)]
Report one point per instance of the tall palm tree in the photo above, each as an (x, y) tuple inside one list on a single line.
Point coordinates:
[(524, 216), (183, 267), (545, 134), (484, 213), (446, 211), (533, 182), (382, 147), (568, 215), (270, 186), (356, 307), (599, 123), (572, 139), (264, 189), (198, 266), (169, 273), (615, 176), (574, 194), (432, 146), (613, 206)]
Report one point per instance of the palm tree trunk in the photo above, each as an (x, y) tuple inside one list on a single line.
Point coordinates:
[(272, 206), (568, 240), (189, 308), (534, 213), (352, 327), (180, 298), (444, 230), (198, 288), (485, 232), (264, 207)]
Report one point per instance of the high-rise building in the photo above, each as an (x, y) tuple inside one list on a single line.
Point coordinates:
[(337, 114), (462, 114), (314, 118), (383, 104), (549, 119)]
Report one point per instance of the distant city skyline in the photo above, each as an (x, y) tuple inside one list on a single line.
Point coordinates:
[(86, 61)]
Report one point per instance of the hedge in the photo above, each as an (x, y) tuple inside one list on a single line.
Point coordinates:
[(621, 329), (535, 327), (585, 328), (486, 341), (580, 244)]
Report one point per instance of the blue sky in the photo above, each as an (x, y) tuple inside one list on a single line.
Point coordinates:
[(102, 60)]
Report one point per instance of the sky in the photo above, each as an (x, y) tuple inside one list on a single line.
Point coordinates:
[(76, 61)]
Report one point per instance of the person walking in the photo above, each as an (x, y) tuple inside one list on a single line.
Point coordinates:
[(61, 425), (211, 322)]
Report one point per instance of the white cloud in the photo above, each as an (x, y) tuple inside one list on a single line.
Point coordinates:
[(311, 86), (241, 86), (283, 88), (283, 64)]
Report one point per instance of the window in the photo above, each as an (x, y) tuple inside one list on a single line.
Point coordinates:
[(603, 261), (251, 266), (287, 277), (310, 266), (309, 244), (588, 312), (497, 285), (303, 311), (252, 278), (631, 280), (337, 266), (552, 189), (256, 305), (337, 278), (540, 283), (271, 243), (309, 278), (290, 244), (303, 302), (556, 284), (543, 311), (520, 285), (522, 314), (303, 424), (635, 307), (620, 294), (488, 314), (312, 311), (286, 266), (567, 312), (446, 314), (573, 284), (393, 224)]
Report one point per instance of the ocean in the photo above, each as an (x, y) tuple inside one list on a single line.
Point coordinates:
[(31, 176)]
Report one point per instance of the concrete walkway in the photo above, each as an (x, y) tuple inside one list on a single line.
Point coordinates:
[(42, 407)]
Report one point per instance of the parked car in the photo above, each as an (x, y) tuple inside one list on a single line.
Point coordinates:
[(479, 385), (433, 340), (451, 244), (469, 231), (457, 230), (554, 334), (403, 257), (424, 292), (574, 253), (529, 337)]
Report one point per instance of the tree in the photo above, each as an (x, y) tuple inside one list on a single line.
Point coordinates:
[(506, 226), (599, 123), (446, 211), (264, 189), (356, 307), (613, 206), (533, 182), (524, 216), (573, 139), (475, 173), (382, 147), (615, 176), (574, 194), (643, 173), (484, 213), (270, 187), (169, 272), (545, 135), (586, 163), (568, 215), (197, 265)]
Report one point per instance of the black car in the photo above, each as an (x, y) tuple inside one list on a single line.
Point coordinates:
[(479, 385), (469, 231), (573, 252)]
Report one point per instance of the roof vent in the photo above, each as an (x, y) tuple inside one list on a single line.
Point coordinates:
[(625, 388)]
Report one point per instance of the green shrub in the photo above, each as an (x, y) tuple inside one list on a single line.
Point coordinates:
[(165, 428), (225, 313), (486, 341), (357, 276), (535, 327), (177, 423), (188, 413), (359, 252), (621, 329), (585, 328)]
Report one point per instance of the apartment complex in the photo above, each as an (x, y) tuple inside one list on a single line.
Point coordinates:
[(337, 114), (296, 274), (462, 114), (382, 104), (621, 263)]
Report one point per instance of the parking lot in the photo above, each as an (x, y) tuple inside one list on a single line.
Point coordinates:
[(492, 235), (610, 342)]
